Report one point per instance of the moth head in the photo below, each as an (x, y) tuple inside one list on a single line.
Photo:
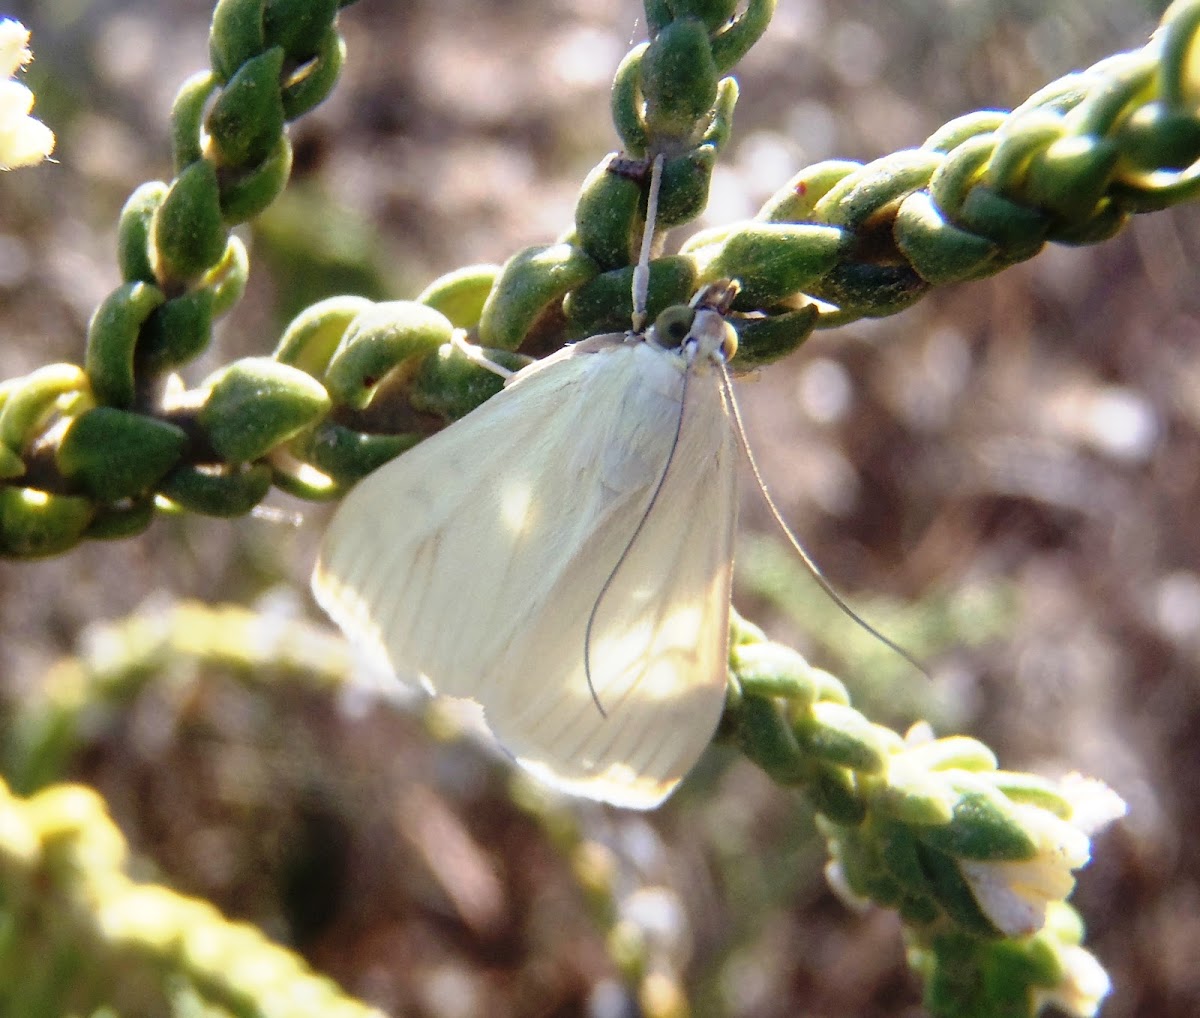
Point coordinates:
[(698, 332)]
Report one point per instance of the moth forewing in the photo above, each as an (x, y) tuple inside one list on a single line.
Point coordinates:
[(476, 559)]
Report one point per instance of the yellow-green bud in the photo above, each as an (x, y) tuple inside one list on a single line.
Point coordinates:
[(939, 251), (217, 491), (189, 233), (313, 335), (609, 216), (840, 735), (113, 454), (773, 261), (35, 523), (460, 295), (256, 404), (378, 340), (133, 232), (112, 341), (532, 282), (246, 193)]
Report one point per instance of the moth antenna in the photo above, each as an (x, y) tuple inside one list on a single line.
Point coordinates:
[(641, 294), (814, 570), (662, 480), (641, 271)]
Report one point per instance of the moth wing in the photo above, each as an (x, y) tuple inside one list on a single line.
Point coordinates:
[(658, 646), (425, 561), (476, 559)]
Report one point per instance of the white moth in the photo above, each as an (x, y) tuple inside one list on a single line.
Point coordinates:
[(563, 555)]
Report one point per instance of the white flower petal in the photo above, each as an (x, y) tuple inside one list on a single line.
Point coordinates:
[(995, 890), (14, 48), (1084, 985), (1057, 840), (1014, 894), (28, 144), (15, 102), (24, 140), (1093, 804)]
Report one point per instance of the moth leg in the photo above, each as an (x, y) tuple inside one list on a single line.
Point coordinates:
[(476, 355)]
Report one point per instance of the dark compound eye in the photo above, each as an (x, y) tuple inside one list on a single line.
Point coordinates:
[(671, 328)]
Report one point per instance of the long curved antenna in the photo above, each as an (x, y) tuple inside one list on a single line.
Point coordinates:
[(814, 570), (640, 295), (662, 480)]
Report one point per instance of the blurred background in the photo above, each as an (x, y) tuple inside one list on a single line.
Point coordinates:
[(1005, 477)]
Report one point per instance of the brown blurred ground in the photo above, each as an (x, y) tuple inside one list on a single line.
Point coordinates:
[(1037, 432)]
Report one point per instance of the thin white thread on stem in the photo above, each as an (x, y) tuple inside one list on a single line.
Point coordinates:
[(641, 271)]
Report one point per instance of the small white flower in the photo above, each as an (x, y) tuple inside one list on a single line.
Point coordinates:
[(24, 140), (1093, 804), (1014, 895), (1083, 986), (14, 47)]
